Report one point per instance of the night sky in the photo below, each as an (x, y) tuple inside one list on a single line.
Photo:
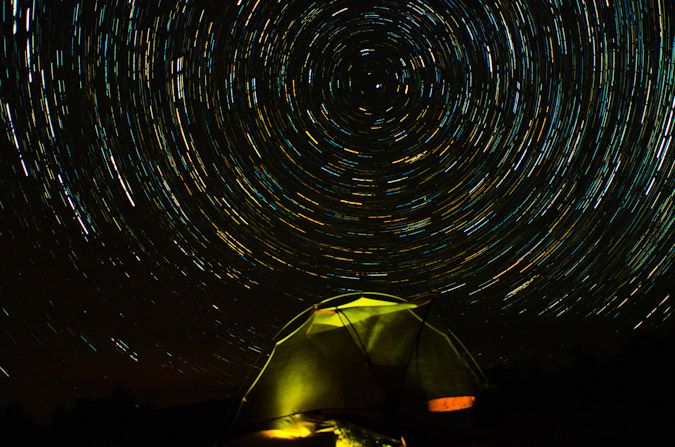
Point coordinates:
[(180, 178)]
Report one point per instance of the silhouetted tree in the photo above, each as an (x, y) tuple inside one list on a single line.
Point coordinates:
[(15, 424)]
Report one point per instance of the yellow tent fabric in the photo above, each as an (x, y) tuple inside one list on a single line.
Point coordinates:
[(367, 354)]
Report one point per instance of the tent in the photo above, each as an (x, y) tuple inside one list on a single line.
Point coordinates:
[(361, 354)]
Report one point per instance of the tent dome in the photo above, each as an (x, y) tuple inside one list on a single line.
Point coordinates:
[(361, 353)]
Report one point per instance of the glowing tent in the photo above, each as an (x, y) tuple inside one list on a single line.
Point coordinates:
[(371, 354)]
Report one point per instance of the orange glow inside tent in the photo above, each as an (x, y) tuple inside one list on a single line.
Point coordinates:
[(444, 404)]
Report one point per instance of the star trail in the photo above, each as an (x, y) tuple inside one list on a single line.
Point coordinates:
[(514, 156)]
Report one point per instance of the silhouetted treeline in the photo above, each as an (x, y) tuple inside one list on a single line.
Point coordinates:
[(579, 397), (117, 420), (572, 397)]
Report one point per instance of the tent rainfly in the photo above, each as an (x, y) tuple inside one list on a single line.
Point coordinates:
[(371, 354)]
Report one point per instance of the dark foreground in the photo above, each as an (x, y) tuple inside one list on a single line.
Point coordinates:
[(564, 398)]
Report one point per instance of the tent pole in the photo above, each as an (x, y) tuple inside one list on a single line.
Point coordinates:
[(466, 351), (414, 349)]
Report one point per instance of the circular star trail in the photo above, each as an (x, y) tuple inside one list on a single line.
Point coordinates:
[(511, 153)]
